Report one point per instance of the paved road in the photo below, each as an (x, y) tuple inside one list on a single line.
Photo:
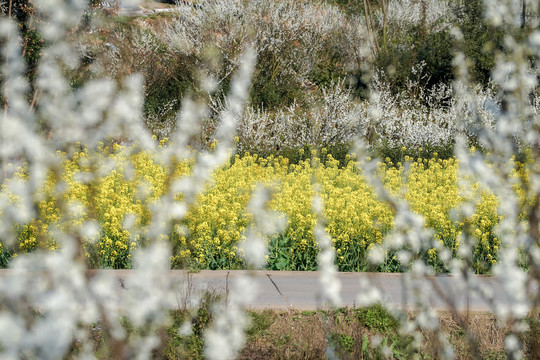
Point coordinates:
[(302, 290)]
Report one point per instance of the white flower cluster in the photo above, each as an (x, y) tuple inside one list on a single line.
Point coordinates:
[(502, 123), (292, 32), (330, 120), (330, 284), (415, 117), (419, 117), (49, 302), (434, 14)]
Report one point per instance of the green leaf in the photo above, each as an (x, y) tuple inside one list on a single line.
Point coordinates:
[(365, 343), (282, 263)]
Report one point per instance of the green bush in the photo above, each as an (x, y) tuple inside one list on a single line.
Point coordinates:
[(479, 39), (189, 346), (121, 46), (351, 7), (23, 12), (343, 341), (5, 256), (339, 152), (378, 319), (260, 322), (270, 89), (402, 54), (397, 155), (436, 48)]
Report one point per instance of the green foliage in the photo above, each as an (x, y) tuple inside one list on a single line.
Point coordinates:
[(166, 82), (23, 12), (296, 155), (369, 351), (5, 256), (285, 254), (327, 71), (377, 318), (332, 64), (279, 249), (183, 346), (343, 341), (436, 48), (435, 52), (260, 322), (402, 54), (270, 88), (480, 39), (174, 345), (351, 7), (120, 47), (366, 347), (338, 151), (390, 264), (397, 155), (494, 355), (379, 321), (32, 45)]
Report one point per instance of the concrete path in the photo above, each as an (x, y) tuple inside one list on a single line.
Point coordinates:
[(302, 290)]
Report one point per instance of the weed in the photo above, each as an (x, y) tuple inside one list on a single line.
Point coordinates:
[(260, 322), (377, 318), (343, 341), (189, 344), (494, 355)]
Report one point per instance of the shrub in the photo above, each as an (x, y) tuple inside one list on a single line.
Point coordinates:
[(118, 49), (331, 122), (430, 48), (24, 13), (412, 32), (377, 318), (289, 36), (420, 117), (480, 39)]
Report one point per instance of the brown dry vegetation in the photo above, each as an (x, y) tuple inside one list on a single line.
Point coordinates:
[(305, 335), (350, 333)]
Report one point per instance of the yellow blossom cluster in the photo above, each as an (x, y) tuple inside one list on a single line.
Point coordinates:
[(109, 186), (217, 221), (431, 188), (356, 218), (36, 233), (435, 180), (113, 184)]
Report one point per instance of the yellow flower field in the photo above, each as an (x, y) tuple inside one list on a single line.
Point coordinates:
[(128, 182)]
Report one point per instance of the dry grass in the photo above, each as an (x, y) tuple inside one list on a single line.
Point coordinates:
[(482, 329), (292, 335), (349, 332), (305, 335)]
